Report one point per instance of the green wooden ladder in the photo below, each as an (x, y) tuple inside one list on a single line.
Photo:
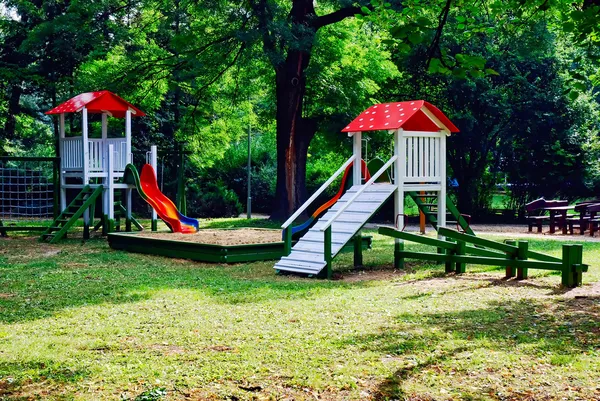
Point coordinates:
[(427, 204), (86, 199)]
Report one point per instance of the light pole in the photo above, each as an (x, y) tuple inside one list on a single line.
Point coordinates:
[(249, 201)]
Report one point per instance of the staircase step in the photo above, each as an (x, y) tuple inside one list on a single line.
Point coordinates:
[(312, 263), (282, 266)]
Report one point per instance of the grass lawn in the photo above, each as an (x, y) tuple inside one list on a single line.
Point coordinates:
[(84, 322)]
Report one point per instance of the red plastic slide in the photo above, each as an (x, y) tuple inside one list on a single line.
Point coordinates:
[(164, 207)]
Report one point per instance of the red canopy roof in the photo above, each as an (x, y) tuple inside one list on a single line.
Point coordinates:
[(97, 102), (408, 115)]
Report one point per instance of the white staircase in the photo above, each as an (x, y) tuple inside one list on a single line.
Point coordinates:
[(307, 255)]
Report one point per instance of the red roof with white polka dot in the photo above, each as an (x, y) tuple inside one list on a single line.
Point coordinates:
[(407, 115), (98, 102)]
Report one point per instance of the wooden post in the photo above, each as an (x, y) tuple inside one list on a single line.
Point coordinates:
[(399, 174), (63, 190), (448, 268), (422, 215), (522, 272), (461, 250), (578, 260), (86, 147), (111, 191), (571, 277), (287, 238), (398, 258), (441, 220), (85, 165), (566, 274), (128, 193), (357, 152), (327, 253), (154, 163), (358, 255), (128, 156), (511, 271)]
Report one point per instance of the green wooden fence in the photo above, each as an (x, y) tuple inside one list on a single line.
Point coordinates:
[(459, 249)]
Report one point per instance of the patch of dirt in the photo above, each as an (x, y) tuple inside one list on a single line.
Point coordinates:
[(220, 348), (241, 236), (585, 292), (167, 349), (4, 295), (370, 275), (51, 252)]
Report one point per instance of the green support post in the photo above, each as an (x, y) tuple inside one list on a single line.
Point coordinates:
[(566, 275), (327, 253), (578, 271), (358, 254), (448, 267), (154, 225), (461, 249), (56, 187), (104, 224), (287, 238), (2, 232), (398, 258), (522, 272), (572, 269), (86, 227), (511, 271)]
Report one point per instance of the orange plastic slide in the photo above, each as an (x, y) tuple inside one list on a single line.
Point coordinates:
[(164, 207)]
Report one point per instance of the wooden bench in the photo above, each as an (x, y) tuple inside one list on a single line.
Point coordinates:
[(581, 221), (536, 215), (594, 220)]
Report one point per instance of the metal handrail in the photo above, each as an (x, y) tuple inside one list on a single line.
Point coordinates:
[(359, 192), (316, 194)]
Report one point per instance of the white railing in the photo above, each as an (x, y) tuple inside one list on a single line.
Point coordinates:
[(72, 157), (70, 153), (423, 158), (319, 192), (120, 153), (362, 189)]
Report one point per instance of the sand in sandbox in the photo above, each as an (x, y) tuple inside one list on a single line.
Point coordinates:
[(239, 236)]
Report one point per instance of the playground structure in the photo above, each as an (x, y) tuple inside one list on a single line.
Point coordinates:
[(96, 168), (458, 249), (417, 168)]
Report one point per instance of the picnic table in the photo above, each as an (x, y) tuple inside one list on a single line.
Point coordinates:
[(562, 211)]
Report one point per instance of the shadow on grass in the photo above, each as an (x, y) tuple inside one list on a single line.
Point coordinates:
[(562, 328), (40, 279)]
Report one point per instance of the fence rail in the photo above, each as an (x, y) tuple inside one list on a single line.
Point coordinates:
[(515, 256)]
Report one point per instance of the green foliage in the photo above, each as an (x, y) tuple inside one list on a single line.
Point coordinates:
[(213, 199), (203, 74)]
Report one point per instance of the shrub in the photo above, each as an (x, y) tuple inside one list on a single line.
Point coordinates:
[(213, 200)]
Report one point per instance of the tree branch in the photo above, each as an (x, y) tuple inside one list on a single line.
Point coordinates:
[(435, 43), (336, 16)]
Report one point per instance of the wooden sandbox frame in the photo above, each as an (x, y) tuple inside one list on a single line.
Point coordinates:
[(201, 252)]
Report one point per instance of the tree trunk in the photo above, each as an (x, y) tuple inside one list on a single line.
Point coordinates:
[(14, 108), (294, 132)]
